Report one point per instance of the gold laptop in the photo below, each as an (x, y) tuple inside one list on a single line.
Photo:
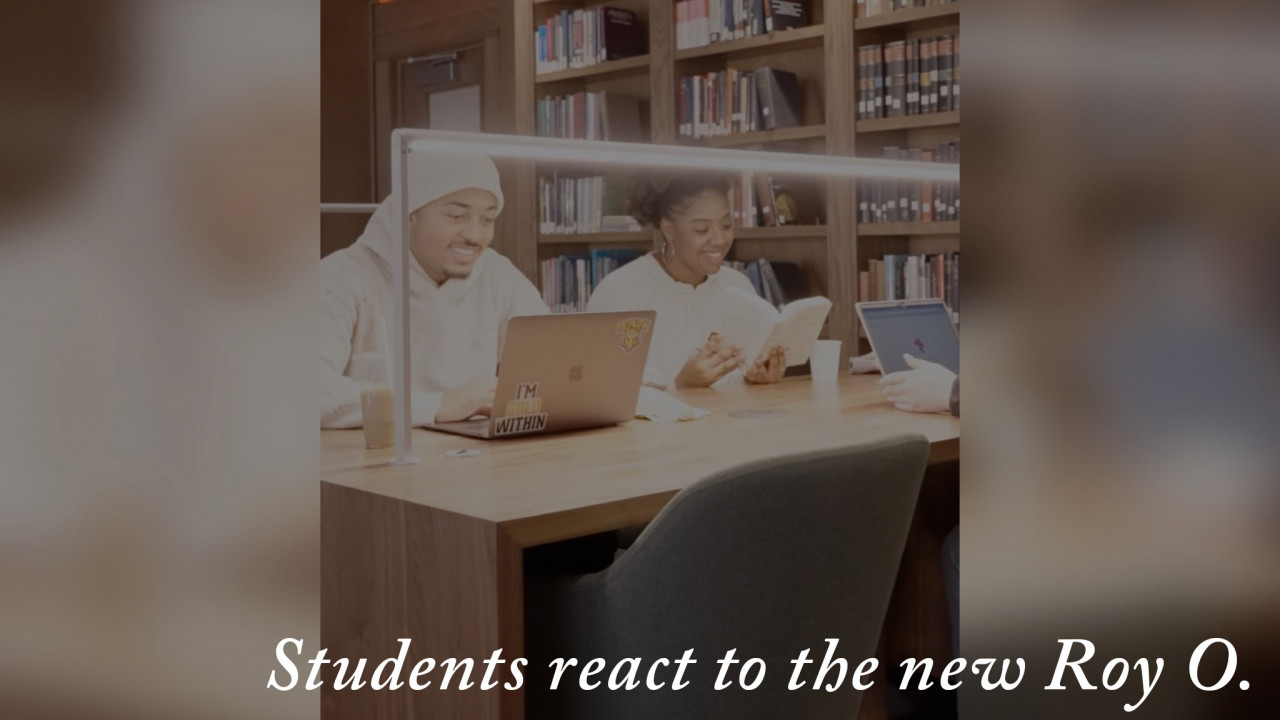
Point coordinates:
[(565, 372)]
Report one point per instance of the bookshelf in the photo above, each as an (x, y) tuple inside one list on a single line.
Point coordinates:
[(913, 228), (824, 56), (603, 238), (769, 43), (600, 70), (910, 122), (768, 137), (911, 16)]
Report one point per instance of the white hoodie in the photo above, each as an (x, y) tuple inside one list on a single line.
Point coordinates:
[(456, 328)]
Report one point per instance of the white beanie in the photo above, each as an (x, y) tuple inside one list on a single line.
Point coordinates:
[(432, 175)]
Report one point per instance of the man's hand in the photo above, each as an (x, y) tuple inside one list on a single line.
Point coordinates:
[(467, 401), (708, 364), (926, 387), (769, 367)]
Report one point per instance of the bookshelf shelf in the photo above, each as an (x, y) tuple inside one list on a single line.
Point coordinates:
[(781, 232), (639, 236), (909, 122), (765, 137), (610, 67), (908, 16), (780, 40), (913, 228)]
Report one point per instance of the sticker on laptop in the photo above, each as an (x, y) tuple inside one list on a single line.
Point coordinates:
[(631, 331), (522, 414)]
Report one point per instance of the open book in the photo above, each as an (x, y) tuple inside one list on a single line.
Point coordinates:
[(754, 325)]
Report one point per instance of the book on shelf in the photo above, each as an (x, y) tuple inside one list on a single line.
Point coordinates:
[(779, 92), (587, 36), (753, 324), (731, 101), (784, 15), (775, 281), (759, 200), (592, 116), (913, 277), (594, 204), (569, 280), (704, 22), (918, 76), (872, 8), (903, 201)]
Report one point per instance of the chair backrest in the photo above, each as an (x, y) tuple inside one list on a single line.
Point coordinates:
[(768, 558)]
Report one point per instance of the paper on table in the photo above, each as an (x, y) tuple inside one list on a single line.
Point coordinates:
[(658, 406)]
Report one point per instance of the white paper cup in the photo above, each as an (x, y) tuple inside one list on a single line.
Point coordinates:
[(825, 361)]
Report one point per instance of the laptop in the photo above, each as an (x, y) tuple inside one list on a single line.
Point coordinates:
[(921, 328), (565, 372)]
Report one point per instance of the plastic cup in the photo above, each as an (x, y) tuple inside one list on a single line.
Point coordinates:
[(377, 407), (824, 363), (377, 400)]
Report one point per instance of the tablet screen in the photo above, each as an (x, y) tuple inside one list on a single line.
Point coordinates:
[(923, 330)]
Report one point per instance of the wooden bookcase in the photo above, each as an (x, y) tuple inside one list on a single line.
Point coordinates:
[(824, 57), (912, 131)]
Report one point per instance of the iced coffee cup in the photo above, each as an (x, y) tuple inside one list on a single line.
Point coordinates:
[(377, 400)]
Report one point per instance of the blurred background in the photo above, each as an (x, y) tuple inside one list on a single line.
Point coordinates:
[(159, 179), (1122, 348)]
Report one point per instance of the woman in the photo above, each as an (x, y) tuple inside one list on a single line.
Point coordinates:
[(683, 282)]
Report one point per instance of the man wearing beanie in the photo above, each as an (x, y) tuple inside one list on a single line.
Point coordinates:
[(461, 295)]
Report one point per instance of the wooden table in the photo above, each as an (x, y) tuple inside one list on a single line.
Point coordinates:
[(434, 551)]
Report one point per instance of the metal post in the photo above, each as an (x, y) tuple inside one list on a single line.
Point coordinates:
[(400, 332)]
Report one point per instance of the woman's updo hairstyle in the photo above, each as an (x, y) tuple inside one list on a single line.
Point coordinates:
[(651, 199)]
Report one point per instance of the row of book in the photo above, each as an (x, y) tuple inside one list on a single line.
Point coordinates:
[(777, 282), (759, 200), (571, 204), (702, 22), (568, 205), (568, 280), (913, 277), (909, 77), (592, 116), (893, 201), (871, 8), (736, 101), (587, 36)]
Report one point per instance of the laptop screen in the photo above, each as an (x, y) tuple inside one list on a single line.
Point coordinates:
[(924, 330)]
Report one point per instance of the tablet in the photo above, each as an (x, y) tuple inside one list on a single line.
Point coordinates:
[(921, 328)]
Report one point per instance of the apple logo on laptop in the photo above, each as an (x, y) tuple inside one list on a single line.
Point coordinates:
[(575, 372)]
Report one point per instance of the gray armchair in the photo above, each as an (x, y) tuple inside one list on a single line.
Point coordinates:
[(769, 558)]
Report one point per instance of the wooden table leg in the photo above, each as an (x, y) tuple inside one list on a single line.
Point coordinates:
[(450, 583)]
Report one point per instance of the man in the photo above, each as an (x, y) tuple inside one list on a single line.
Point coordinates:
[(461, 295)]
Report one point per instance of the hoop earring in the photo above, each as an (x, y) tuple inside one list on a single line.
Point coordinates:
[(663, 253)]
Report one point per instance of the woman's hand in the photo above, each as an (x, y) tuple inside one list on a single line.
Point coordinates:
[(926, 387), (709, 364), (769, 367), (467, 401)]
